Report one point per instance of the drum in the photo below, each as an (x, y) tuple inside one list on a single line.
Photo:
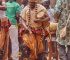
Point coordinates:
[(53, 26), (51, 38)]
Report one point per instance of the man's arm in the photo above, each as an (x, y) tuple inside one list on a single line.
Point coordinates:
[(25, 26), (23, 23), (18, 9), (58, 9), (2, 7), (23, 19), (42, 16)]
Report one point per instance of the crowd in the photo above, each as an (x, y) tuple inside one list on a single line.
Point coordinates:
[(35, 30)]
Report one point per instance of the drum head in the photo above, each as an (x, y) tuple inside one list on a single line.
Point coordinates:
[(53, 26), (41, 14)]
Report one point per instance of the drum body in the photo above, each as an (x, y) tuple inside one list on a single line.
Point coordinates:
[(51, 38)]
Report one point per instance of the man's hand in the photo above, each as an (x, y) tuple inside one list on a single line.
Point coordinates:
[(57, 16), (63, 32), (30, 31), (42, 20)]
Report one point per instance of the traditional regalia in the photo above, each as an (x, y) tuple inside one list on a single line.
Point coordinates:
[(33, 19), (3, 34)]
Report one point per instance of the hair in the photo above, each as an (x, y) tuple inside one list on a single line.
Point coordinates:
[(25, 2), (46, 4), (13, 0)]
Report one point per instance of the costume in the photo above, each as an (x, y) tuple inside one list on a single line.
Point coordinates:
[(33, 40)]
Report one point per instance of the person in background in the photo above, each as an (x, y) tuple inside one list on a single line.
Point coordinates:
[(46, 3), (12, 10), (63, 36), (50, 12)]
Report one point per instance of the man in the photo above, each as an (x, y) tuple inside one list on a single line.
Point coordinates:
[(50, 12), (33, 15), (62, 8), (12, 10)]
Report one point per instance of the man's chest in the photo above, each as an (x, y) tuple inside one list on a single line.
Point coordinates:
[(31, 14), (11, 7)]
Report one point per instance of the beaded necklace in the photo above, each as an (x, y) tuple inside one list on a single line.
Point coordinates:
[(29, 14)]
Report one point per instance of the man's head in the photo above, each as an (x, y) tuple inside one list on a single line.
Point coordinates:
[(46, 4), (12, 0), (32, 3)]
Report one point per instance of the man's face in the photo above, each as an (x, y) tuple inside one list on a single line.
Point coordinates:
[(32, 5), (46, 4)]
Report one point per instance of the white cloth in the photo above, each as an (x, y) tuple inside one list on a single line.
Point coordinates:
[(13, 32), (51, 14), (2, 14)]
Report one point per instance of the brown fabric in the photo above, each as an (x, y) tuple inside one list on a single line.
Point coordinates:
[(34, 42), (6, 45), (2, 38)]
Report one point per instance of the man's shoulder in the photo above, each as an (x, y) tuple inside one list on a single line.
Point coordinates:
[(41, 7), (12, 3), (17, 4), (26, 8)]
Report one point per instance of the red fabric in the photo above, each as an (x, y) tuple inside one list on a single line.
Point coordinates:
[(5, 25), (2, 7)]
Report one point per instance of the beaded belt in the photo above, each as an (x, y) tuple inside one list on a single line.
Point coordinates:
[(36, 30)]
